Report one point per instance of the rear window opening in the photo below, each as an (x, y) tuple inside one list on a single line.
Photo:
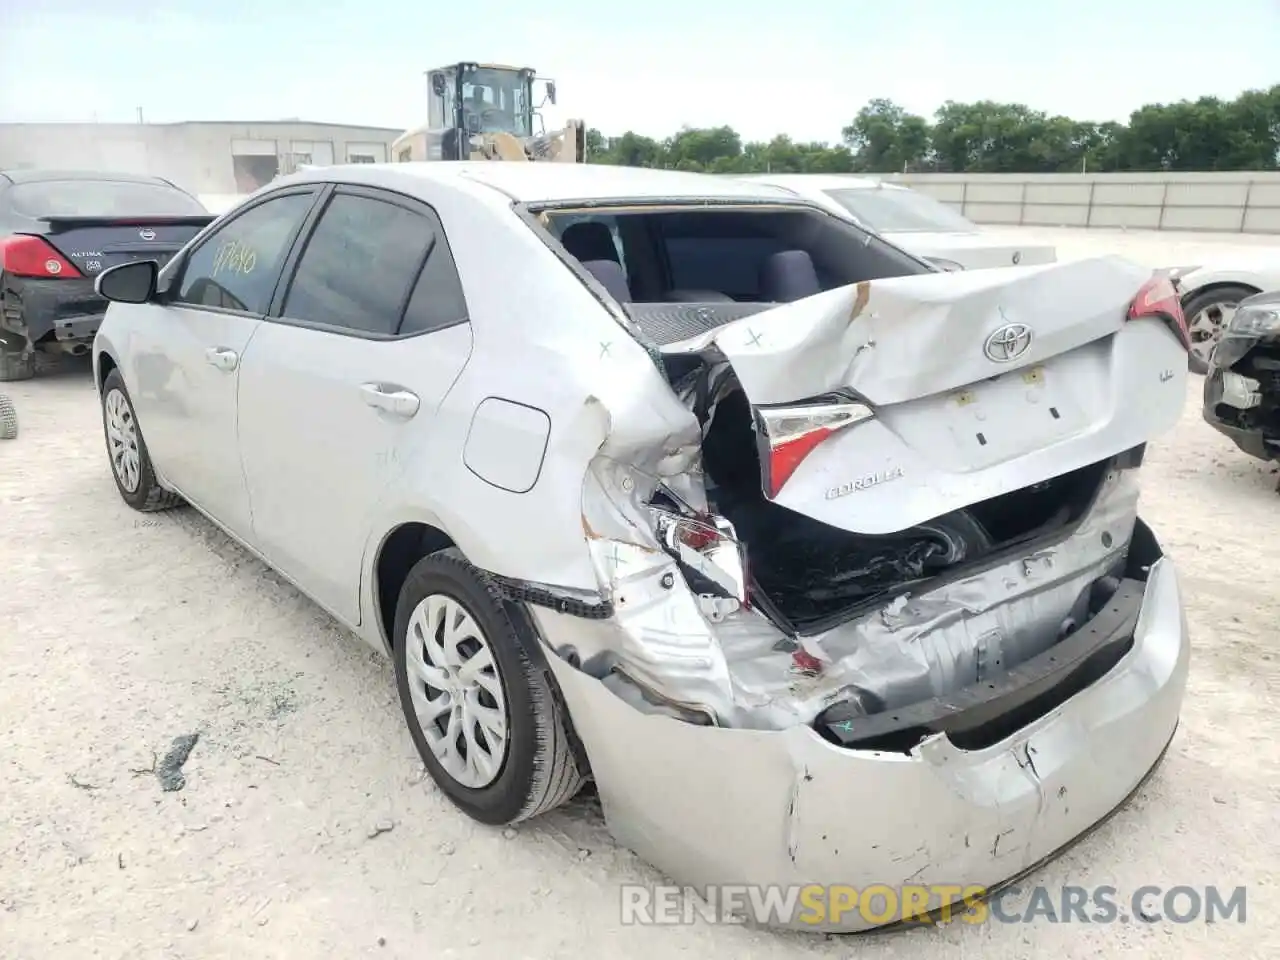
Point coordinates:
[(731, 260), (101, 198)]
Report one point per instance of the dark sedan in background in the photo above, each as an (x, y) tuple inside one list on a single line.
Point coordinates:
[(1242, 387), (58, 230)]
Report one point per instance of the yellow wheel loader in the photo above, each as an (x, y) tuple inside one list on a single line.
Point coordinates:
[(485, 111)]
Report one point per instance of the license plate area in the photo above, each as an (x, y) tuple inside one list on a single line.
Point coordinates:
[(994, 421)]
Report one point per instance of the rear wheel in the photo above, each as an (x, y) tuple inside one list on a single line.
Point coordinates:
[(1208, 314), (130, 462), (478, 696)]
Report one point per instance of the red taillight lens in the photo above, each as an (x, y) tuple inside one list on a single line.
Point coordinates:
[(24, 256), (1159, 298), (791, 433)]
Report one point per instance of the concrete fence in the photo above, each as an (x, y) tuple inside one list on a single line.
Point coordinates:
[(1225, 202)]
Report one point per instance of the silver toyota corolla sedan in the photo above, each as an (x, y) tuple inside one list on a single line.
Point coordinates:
[(823, 563)]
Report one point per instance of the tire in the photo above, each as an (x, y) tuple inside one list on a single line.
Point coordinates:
[(138, 486), (8, 419), (1205, 301), (16, 364), (537, 769)]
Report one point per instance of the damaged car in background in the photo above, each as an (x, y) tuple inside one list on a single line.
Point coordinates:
[(1242, 386), (825, 565)]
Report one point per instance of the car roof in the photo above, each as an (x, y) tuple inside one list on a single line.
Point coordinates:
[(41, 176), (550, 182), (823, 181)]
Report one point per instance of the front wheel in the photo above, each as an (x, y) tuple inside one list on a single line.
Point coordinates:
[(130, 462), (478, 696), (1208, 314)]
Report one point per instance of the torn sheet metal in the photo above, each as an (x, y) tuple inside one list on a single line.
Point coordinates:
[(708, 805), (742, 670)]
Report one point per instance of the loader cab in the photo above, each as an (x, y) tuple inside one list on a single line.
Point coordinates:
[(470, 99)]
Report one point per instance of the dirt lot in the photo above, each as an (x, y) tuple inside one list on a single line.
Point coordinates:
[(120, 632)]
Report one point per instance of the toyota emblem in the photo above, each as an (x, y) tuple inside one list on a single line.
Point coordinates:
[(146, 233), (1007, 343)]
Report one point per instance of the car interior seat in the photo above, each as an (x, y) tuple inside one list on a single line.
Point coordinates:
[(788, 275), (589, 240), (611, 277)]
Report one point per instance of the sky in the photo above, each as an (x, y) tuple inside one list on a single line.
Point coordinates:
[(760, 66)]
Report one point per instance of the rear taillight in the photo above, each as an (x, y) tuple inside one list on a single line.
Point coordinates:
[(24, 256), (1159, 298), (790, 433)]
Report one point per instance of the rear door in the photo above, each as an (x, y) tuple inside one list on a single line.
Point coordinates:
[(339, 388), (186, 351)]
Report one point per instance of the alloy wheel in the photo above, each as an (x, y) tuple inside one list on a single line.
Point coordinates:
[(457, 691), (1206, 325), (122, 440)]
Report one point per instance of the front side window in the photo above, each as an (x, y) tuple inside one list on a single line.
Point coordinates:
[(359, 265), (236, 268)]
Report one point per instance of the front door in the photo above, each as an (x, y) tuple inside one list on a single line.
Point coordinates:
[(188, 354), (342, 387)]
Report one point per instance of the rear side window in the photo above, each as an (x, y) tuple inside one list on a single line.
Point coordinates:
[(101, 198), (437, 301), (236, 268), (359, 266)]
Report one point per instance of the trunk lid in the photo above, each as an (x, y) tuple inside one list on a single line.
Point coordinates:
[(95, 243), (974, 251), (978, 384)]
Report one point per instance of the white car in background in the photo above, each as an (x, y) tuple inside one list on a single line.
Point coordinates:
[(826, 566), (1211, 292), (914, 221)]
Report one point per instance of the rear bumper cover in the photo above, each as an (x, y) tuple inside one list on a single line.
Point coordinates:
[(66, 310), (788, 808)]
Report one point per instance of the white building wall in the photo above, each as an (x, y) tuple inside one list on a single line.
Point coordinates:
[(196, 156)]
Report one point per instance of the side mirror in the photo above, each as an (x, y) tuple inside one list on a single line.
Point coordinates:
[(437, 84), (551, 92), (128, 282)]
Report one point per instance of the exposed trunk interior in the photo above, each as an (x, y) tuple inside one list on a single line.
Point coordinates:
[(813, 575)]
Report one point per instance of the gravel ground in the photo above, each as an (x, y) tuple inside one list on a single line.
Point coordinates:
[(305, 827)]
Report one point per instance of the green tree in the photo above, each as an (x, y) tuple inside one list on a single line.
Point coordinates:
[(884, 138), (983, 137)]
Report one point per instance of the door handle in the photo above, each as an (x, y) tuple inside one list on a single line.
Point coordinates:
[(400, 403), (222, 358)]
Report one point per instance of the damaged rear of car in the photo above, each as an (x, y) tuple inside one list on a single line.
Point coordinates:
[(1242, 386), (884, 610)]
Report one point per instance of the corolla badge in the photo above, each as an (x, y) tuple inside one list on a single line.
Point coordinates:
[(146, 233), (1007, 343), (865, 483)]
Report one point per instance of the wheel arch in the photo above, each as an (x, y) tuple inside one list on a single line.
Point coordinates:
[(397, 551), (102, 369), (1219, 282)]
